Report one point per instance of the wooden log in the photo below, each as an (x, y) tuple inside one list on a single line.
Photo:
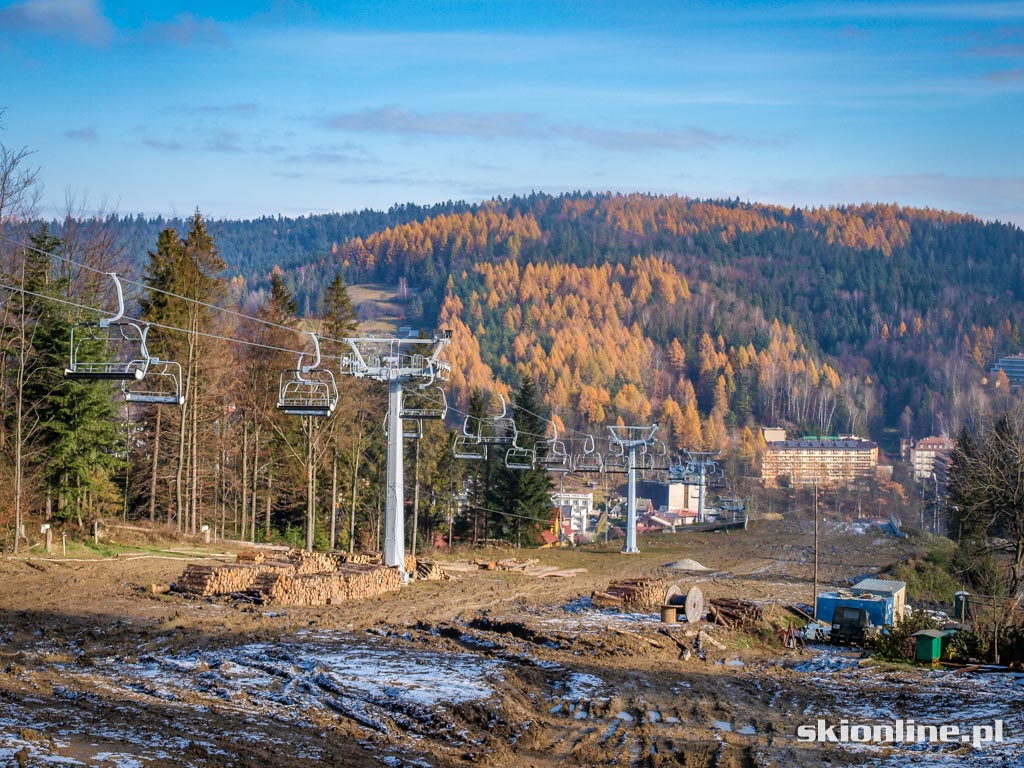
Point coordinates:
[(428, 570), (605, 600)]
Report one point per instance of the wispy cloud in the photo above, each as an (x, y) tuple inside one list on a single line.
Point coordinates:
[(225, 141), (239, 108), (346, 154), (1006, 76), (991, 11), (186, 30), (82, 134), (1002, 51), (492, 126), (684, 139), (479, 125), (163, 145), (80, 20)]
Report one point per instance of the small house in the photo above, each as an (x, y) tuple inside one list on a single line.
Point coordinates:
[(879, 608), (896, 590)]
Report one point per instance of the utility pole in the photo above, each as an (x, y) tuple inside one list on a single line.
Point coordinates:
[(815, 603)]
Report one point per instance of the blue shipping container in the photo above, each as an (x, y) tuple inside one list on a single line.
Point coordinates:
[(880, 609)]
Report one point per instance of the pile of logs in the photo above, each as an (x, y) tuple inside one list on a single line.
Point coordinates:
[(428, 570), (362, 558), (295, 578), (630, 594), (734, 613), (349, 582), (207, 580), (312, 562)]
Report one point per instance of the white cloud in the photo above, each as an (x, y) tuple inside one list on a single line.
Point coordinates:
[(77, 19)]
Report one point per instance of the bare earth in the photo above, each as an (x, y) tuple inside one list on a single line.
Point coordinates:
[(493, 668)]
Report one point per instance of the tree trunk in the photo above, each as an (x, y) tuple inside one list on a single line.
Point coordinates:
[(310, 484), (154, 466), (270, 488), (334, 499), (245, 480)]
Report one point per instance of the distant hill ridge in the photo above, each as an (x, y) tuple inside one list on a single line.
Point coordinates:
[(873, 318)]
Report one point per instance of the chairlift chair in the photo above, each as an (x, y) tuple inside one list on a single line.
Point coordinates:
[(419, 404), (468, 447), (109, 349), (497, 430), (517, 457), (160, 386), (308, 390), (551, 454), (590, 460), (616, 464)]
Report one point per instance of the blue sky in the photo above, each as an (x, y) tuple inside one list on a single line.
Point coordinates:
[(253, 108)]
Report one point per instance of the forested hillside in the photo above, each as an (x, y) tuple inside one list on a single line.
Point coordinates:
[(875, 319)]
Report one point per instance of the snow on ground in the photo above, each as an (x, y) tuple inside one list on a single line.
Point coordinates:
[(877, 695)]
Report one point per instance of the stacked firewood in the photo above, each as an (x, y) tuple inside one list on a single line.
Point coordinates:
[(251, 557), (730, 612), (207, 580), (410, 563), (349, 582), (296, 578), (362, 558), (630, 594), (428, 570), (312, 562)]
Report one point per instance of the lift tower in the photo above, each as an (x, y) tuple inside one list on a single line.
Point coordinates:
[(627, 440), (399, 362)]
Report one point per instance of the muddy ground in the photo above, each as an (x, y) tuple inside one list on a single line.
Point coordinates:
[(493, 668)]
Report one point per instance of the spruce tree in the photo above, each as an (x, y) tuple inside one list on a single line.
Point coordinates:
[(79, 449), (523, 496)]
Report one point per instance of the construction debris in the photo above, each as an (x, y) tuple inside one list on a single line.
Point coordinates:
[(734, 613)]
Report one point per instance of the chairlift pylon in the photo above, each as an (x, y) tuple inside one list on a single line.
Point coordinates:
[(308, 390)]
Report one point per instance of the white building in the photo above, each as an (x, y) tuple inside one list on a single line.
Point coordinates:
[(927, 453), (574, 509)]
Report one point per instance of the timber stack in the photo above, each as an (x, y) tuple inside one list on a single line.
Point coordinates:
[(294, 578), (630, 594), (734, 613), (428, 570)]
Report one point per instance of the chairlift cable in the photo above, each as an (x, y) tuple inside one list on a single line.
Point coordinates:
[(144, 286)]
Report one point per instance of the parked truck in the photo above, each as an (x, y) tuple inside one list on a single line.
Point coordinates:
[(849, 625)]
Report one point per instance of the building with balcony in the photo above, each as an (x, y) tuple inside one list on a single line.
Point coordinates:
[(1012, 366), (930, 458), (825, 461)]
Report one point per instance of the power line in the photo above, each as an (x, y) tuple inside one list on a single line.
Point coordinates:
[(146, 287), (205, 334)]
